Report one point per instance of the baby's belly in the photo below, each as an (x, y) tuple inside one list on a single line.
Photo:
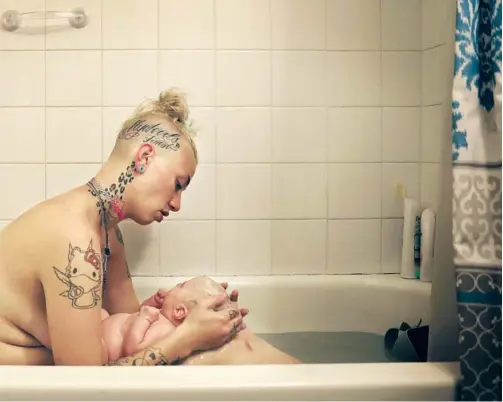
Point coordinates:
[(113, 334), (246, 348), (158, 330)]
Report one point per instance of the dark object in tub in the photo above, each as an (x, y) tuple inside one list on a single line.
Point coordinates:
[(406, 343)]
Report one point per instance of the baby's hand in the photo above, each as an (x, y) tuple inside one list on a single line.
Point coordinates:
[(156, 300), (150, 313)]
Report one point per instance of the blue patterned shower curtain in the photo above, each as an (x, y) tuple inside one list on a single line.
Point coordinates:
[(476, 155)]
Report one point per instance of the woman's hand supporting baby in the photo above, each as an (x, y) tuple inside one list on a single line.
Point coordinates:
[(209, 326), (211, 323)]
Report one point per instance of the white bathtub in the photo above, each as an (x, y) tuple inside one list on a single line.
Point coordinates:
[(371, 303)]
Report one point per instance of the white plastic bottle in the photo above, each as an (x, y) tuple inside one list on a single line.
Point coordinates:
[(427, 244), (409, 268)]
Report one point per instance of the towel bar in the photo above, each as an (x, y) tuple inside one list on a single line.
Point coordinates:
[(11, 19)]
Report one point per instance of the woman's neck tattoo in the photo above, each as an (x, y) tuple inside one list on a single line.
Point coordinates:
[(110, 199)]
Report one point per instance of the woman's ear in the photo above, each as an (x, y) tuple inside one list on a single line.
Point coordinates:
[(143, 157), (180, 312)]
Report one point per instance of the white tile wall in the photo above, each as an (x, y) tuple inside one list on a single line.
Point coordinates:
[(243, 24), (120, 89), (244, 135), (310, 113), (73, 135), (354, 134), (243, 247), (61, 177), (243, 78), (401, 78), (436, 91), (401, 134), (188, 247), (307, 250), (193, 71), (187, 24), (130, 24), (344, 34), (23, 135), (25, 186), (354, 246), (391, 250), (355, 78), (298, 24), (22, 81), (73, 78), (401, 24), (434, 17)]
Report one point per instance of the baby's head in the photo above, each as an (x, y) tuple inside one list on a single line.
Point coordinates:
[(180, 300)]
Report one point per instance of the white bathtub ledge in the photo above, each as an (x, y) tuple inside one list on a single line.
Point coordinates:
[(386, 381)]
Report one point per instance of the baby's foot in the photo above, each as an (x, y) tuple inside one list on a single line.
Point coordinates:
[(150, 313)]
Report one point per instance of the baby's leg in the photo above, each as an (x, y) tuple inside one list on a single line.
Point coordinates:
[(135, 335)]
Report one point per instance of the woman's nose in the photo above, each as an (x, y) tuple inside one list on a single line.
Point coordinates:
[(175, 202)]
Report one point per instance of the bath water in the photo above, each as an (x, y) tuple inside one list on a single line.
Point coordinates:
[(330, 347)]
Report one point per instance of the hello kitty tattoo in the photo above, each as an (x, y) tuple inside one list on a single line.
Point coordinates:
[(82, 276)]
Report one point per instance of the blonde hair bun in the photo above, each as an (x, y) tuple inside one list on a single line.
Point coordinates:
[(174, 104), (171, 102)]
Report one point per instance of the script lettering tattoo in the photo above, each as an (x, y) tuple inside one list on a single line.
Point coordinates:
[(82, 276), (154, 134), (149, 357)]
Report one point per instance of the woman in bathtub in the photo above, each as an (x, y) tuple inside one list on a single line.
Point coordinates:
[(62, 260), (127, 334)]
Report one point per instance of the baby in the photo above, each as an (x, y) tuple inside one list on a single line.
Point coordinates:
[(125, 334)]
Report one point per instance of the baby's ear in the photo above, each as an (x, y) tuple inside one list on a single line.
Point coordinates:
[(180, 312)]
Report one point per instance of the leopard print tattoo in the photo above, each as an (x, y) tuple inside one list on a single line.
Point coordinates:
[(112, 196)]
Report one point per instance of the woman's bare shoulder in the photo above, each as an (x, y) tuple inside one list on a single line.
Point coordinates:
[(51, 225)]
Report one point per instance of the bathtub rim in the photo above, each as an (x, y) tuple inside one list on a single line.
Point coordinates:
[(379, 280), (368, 381)]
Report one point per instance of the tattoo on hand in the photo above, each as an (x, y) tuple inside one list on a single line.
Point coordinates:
[(149, 357), (154, 134), (82, 276)]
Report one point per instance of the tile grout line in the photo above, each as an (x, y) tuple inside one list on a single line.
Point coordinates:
[(45, 104), (327, 153), (271, 137), (237, 50), (381, 265), (421, 109), (158, 88), (102, 85), (215, 145)]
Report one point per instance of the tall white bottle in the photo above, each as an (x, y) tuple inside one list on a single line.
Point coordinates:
[(409, 268), (427, 245)]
